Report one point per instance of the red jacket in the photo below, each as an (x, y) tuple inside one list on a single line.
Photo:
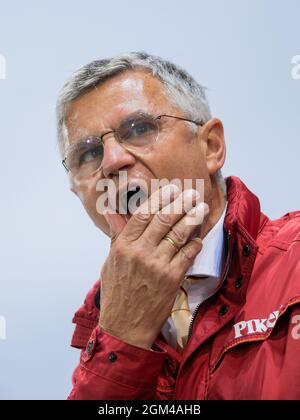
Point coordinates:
[(245, 341)]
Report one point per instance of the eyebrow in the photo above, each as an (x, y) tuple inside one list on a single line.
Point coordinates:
[(138, 112), (134, 114)]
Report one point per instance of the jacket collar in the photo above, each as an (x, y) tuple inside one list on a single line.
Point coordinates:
[(243, 210)]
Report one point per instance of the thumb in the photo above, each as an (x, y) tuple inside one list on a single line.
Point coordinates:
[(116, 224)]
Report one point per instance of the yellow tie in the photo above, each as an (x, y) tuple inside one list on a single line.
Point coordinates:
[(181, 314)]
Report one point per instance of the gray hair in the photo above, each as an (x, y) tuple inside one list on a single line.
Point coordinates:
[(180, 88)]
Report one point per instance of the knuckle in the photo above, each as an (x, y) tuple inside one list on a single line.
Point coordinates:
[(146, 242), (153, 267), (178, 235), (187, 254), (164, 219), (141, 216), (139, 252)]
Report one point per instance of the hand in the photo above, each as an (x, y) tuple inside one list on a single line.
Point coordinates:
[(143, 271)]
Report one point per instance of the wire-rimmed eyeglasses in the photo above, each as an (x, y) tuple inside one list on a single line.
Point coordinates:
[(136, 132)]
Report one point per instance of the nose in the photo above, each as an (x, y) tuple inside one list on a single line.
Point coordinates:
[(115, 158)]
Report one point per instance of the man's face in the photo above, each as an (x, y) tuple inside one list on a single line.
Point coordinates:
[(178, 152)]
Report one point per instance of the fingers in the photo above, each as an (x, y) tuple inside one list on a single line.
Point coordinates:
[(142, 217), (165, 219), (183, 231), (186, 255), (116, 223)]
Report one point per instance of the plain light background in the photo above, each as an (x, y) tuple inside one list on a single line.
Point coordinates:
[(50, 252)]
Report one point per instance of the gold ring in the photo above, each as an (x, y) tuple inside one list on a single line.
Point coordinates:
[(167, 238)]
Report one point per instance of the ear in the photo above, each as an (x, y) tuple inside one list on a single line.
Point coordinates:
[(212, 136)]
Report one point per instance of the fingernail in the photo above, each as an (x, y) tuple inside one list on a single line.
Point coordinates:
[(203, 206), (197, 214), (200, 208)]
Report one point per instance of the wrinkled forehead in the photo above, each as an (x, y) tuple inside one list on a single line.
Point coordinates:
[(105, 106)]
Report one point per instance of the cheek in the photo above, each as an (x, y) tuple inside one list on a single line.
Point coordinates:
[(178, 163), (180, 160)]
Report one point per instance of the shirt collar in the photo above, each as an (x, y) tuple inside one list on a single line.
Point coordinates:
[(209, 261)]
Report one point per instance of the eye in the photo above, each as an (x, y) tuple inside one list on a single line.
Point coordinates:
[(92, 154), (140, 128), (135, 128)]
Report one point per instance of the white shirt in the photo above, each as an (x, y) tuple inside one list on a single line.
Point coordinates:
[(209, 262)]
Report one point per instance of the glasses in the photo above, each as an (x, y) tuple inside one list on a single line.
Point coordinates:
[(136, 133)]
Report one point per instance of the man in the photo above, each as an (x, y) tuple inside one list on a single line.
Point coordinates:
[(208, 309)]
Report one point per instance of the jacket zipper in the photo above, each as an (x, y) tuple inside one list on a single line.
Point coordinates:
[(224, 278)]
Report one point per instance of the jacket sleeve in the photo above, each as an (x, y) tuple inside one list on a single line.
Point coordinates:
[(111, 369)]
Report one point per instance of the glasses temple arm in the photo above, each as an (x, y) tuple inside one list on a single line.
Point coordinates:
[(181, 118)]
